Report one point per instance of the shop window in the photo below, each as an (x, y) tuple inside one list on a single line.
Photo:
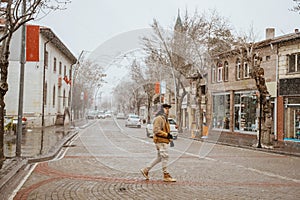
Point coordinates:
[(226, 71), (292, 118), (294, 63), (245, 112), (221, 111)]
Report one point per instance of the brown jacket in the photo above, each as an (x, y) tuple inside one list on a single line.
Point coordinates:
[(161, 128)]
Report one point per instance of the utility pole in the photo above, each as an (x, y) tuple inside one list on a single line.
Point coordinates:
[(21, 87)]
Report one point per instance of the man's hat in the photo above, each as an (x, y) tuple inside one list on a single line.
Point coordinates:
[(165, 105)]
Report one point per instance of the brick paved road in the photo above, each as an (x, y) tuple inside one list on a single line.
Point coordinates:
[(104, 161)]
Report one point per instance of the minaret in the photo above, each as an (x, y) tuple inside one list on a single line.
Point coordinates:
[(178, 26)]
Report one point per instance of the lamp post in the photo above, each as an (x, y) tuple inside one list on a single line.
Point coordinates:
[(75, 69)]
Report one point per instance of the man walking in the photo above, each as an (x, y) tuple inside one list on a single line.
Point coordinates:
[(161, 138)]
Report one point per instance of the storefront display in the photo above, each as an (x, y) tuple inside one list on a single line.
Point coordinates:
[(292, 118), (221, 111), (245, 118)]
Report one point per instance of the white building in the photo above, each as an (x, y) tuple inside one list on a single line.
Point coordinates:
[(53, 69)]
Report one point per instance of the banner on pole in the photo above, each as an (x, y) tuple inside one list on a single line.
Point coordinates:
[(32, 43)]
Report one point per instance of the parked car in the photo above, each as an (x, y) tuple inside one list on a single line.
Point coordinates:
[(91, 114), (121, 116), (101, 115), (108, 114), (173, 129), (133, 120)]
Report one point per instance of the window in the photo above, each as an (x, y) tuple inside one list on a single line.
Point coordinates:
[(70, 74), (221, 111), (60, 68), (294, 62), (65, 70), (53, 97), (238, 69), (213, 74), (46, 60), (226, 71), (220, 72), (64, 98), (54, 65), (246, 70)]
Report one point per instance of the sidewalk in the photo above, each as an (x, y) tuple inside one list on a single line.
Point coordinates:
[(37, 145), (248, 141)]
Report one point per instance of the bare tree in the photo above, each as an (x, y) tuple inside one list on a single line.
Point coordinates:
[(13, 14), (89, 77), (247, 51), (296, 8), (184, 51)]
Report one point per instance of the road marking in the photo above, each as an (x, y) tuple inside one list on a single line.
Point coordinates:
[(15, 191)]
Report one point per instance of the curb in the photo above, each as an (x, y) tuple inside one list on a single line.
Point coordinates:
[(248, 147), (55, 149)]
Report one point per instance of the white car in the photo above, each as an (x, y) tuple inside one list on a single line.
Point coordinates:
[(133, 120), (121, 116), (173, 128)]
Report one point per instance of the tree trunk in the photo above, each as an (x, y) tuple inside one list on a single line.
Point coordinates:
[(199, 97), (3, 90)]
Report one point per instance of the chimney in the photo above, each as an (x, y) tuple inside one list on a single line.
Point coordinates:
[(270, 33)]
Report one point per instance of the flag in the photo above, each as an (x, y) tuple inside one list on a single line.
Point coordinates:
[(32, 43)]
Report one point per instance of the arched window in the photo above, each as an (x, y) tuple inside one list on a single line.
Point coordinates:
[(220, 71), (246, 70), (226, 71), (238, 69), (64, 98), (53, 97), (213, 74)]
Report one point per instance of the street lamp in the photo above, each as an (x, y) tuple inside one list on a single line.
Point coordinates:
[(75, 69)]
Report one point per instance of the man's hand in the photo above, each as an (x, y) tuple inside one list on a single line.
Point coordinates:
[(170, 136)]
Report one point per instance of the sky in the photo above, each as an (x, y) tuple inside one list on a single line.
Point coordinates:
[(111, 27), (86, 24)]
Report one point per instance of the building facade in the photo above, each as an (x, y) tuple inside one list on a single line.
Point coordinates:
[(232, 104), (47, 88)]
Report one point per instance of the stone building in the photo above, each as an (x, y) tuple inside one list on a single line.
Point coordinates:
[(231, 104)]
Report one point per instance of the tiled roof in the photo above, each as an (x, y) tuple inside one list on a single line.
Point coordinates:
[(50, 35)]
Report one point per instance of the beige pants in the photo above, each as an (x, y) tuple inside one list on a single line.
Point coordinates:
[(162, 156)]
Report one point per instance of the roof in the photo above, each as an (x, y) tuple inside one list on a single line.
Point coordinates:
[(50, 35), (280, 39), (276, 40)]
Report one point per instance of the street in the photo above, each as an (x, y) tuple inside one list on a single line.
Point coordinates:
[(104, 160)]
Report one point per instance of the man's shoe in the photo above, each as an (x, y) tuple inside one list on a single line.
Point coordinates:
[(168, 178), (145, 173)]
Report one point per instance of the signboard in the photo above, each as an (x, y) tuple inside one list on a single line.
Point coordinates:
[(289, 87)]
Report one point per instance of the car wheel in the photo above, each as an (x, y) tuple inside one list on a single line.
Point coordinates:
[(139, 126)]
